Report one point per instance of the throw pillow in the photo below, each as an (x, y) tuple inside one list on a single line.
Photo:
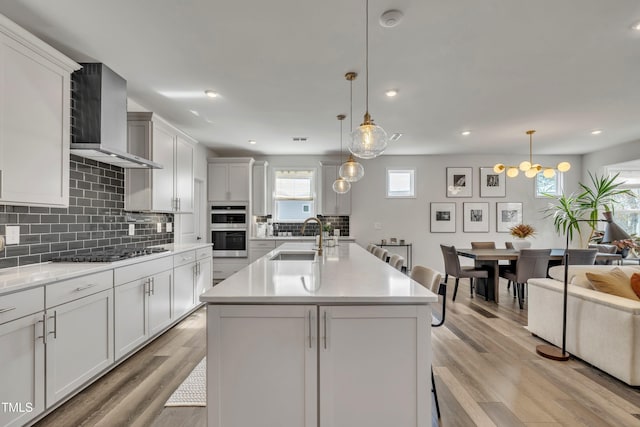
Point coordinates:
[(614, 282), (635, 283)]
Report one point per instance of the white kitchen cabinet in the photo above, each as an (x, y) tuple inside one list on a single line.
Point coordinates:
[(184, 283), (79, 343), (34, 119), (169, 189), (229, 179), (204, 272), (333, 203), (260, 200), (225, 267), (276, 377), (22, 352), (373, 366), (143, 303)]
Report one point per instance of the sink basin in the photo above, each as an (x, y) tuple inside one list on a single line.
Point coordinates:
[(294, 256)]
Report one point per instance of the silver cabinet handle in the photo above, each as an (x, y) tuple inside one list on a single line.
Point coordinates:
[(82, 288), (44, 329), (325, 329), (179, 204), (147, 286), (310, 329), (55, 325), (152, 282), (4, 310)]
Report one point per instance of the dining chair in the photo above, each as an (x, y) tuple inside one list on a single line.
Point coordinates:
[(432, 280), (531, 263), (483, 245), (452, 267), (582, 256), (396, 261), (512, 266)]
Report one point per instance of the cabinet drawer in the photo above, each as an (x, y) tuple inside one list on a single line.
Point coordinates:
[(204, 253), (184, 258), (69, 290), (14, 306), (138, 271), (258, 244), (222, 271)]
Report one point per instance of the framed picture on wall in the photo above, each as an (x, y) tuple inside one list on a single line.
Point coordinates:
[(507, 216), (492, 184), (476, 217), (443, 218), (459, 182)]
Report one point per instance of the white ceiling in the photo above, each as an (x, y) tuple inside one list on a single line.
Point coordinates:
[(495, 67)]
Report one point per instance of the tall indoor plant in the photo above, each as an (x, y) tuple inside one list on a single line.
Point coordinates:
[(569, 211)]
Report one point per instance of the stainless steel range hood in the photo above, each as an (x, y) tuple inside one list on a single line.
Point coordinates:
[(99, 118)]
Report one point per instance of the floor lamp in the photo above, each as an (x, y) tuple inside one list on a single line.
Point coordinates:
[(551, 351)]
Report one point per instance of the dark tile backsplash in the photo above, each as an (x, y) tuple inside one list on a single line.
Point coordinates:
[(339, 222), (94, 221)]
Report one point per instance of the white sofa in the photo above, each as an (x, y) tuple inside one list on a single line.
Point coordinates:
[(602, 329)]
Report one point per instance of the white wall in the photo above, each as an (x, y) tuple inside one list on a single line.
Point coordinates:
[(598, 160)]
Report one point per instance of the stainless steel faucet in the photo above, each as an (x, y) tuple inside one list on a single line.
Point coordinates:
[(304, 225)]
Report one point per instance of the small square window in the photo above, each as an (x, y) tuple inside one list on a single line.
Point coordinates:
[(401, 183), (548, 186)]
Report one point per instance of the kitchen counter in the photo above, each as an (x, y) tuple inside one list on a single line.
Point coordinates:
[(22, 278), (345, 274)]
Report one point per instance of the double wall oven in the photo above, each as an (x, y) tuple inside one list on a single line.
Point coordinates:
[(229, 230)]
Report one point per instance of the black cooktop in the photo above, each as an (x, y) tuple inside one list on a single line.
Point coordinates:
[(109, 256)]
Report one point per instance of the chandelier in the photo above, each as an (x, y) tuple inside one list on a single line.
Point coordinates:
[(351, 170), (529, 168)]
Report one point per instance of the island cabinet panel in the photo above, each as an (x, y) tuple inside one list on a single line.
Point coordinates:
[(262, 365), (374, 366)]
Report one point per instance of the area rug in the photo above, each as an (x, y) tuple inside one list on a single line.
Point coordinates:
[(193, 390)]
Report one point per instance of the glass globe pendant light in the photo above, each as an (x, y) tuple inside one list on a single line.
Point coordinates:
[(340, 185), (368, 140), (351, 170)]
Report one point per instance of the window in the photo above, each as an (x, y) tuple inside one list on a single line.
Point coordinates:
[(627, 209), (401, 183), (294, 195), (549, 186)]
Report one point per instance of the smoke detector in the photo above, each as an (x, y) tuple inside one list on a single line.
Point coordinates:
[(391, 18)]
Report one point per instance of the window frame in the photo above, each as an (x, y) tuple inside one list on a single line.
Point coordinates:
[(558, 177), (412, 193), (313, 199)]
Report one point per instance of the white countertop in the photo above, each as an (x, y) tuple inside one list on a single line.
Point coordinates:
[(29, 276), (298, 238), (344, 274)]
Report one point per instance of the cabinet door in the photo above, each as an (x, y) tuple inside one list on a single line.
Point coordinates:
[(130, 316), (218, 174), (162, 186), (79, 343), (137, 195), (259, 188), (263, 358), (204, 279), (183, 286), (374, 366), (22, 369), (239, 186), (160, 302), (184, 174), (34, 128)]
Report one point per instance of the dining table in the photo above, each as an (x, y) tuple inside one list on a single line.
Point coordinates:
[(488, 259)]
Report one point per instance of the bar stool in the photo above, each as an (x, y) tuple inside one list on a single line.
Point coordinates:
[(396, 261)]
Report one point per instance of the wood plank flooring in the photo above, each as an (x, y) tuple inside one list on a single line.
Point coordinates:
[(486, 369)]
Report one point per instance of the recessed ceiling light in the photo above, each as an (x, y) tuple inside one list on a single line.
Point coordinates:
[(391, 93), (466, 132), (252, 141), (211, 94), (195, 113), (596, 132)]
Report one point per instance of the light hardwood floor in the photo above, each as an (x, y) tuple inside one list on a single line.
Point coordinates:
[(487, 374)]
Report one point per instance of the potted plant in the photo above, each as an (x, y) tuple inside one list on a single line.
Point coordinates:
[(568, 212), (521, 232), (624, 246)]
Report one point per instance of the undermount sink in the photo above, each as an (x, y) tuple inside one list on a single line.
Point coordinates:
[(294, 256)]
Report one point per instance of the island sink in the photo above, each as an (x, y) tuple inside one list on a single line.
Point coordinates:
[(294, 256)]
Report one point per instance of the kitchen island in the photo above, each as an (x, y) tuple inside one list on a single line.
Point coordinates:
[(337, 339)]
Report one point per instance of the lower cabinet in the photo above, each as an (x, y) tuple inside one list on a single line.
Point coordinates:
[(183, 288), (343, 365), (79, 343), (204, 278)]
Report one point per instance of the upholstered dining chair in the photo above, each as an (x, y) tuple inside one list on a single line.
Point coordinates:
[(582, 256), (452, 267), (432, 280), (511, 266), (531, 263), (381, 253), (483, 245), (396, 261)]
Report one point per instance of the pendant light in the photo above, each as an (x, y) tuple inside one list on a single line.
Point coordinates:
[(529, 168), (351, 170), (368, 140), (340, 185)]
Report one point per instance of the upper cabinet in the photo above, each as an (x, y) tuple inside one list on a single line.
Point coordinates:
[(229, 179), (333, 203), (260, 200), (34, 119), (169, 189)]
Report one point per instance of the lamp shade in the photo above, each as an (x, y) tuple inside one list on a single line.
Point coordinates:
[(341, 186), (613, 232), (351, 170), (368, 140)]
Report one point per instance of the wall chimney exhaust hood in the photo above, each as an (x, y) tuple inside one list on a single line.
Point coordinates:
[(99, 118)]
